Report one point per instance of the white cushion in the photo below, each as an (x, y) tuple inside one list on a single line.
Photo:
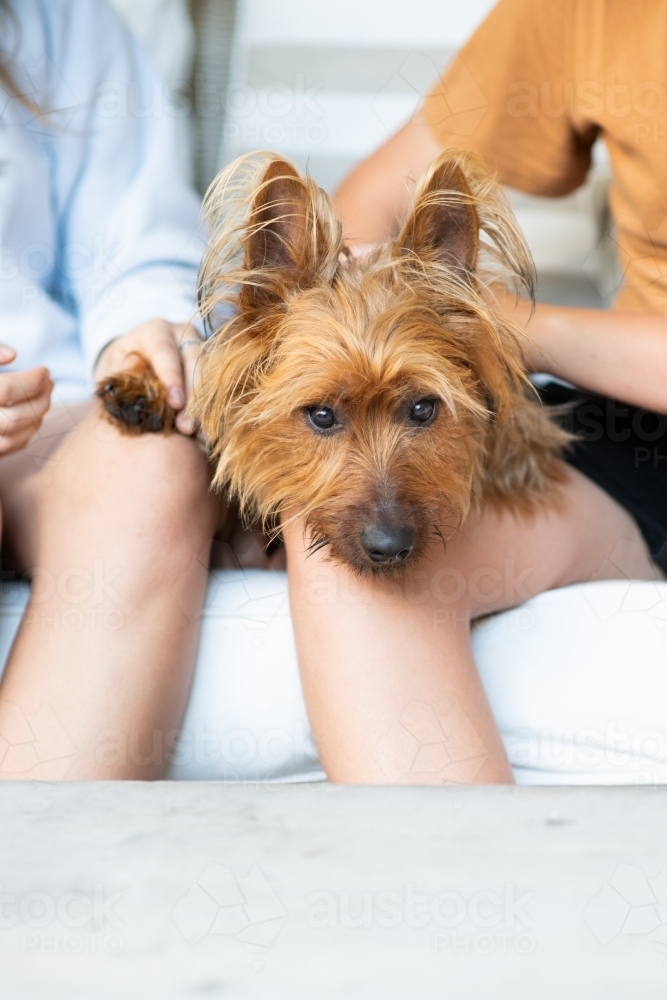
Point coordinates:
[(246, 719), (577, 679)]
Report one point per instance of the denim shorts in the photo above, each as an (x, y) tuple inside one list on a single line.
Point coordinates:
[(623, 449)]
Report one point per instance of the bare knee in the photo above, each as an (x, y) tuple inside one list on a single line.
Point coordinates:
[(147, 496)]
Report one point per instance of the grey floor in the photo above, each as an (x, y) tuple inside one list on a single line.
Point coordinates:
[(192, 890)]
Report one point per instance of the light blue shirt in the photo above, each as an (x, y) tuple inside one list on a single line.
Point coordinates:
[(98, 230)]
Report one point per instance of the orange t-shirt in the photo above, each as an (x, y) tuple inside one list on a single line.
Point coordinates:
[(535, 86)]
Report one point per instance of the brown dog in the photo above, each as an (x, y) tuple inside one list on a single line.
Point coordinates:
[(383, 395)]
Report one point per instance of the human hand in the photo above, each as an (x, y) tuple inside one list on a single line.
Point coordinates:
[(172, 349), (24, 399)]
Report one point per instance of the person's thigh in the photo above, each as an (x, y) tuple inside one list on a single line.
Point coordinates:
[(377, 654), (115, 533), (25, 481), (506, 557), (77, 458)]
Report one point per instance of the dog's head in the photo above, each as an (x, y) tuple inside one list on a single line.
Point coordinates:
[(369, 391)]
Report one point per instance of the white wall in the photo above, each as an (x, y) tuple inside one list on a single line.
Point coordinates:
[(364, 22)]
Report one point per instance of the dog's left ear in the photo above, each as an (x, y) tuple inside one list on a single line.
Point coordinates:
[(277, 232), (291, 236), (443, 227)]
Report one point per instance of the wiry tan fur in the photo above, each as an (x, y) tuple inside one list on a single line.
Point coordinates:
[(310, 324), (297, 321)]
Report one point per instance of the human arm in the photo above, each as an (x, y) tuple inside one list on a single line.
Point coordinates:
[(375, 196), (129, 221), (479, 104), (618, 354)]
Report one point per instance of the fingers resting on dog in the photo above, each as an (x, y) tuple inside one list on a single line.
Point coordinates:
[(24, 399), (171, 348)]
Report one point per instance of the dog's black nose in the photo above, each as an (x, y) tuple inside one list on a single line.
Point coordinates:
[(385, 545)]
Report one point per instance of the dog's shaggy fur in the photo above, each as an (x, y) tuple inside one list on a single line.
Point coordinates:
[(317, 359)]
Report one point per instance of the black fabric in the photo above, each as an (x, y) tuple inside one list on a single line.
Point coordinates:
[(624, 450)]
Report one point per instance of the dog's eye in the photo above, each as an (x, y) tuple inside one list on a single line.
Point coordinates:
[(424, 411), (321, 417)]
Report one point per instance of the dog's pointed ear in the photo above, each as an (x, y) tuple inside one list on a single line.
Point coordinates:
[(443, 226), (289, 240), (277, 229)]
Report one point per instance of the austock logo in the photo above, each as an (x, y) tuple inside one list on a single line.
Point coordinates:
[(34, 747), (629, 903), (220, 903)]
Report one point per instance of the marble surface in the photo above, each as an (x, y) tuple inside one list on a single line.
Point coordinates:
[(209, 889)]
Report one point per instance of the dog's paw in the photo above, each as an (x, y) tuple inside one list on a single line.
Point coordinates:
[(136, 402)]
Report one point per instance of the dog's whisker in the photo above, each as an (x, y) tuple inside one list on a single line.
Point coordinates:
[(438, 533), (316, 546), (451, 531)]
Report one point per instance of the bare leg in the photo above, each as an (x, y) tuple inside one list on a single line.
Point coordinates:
[(115, 532), (387, 668)]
